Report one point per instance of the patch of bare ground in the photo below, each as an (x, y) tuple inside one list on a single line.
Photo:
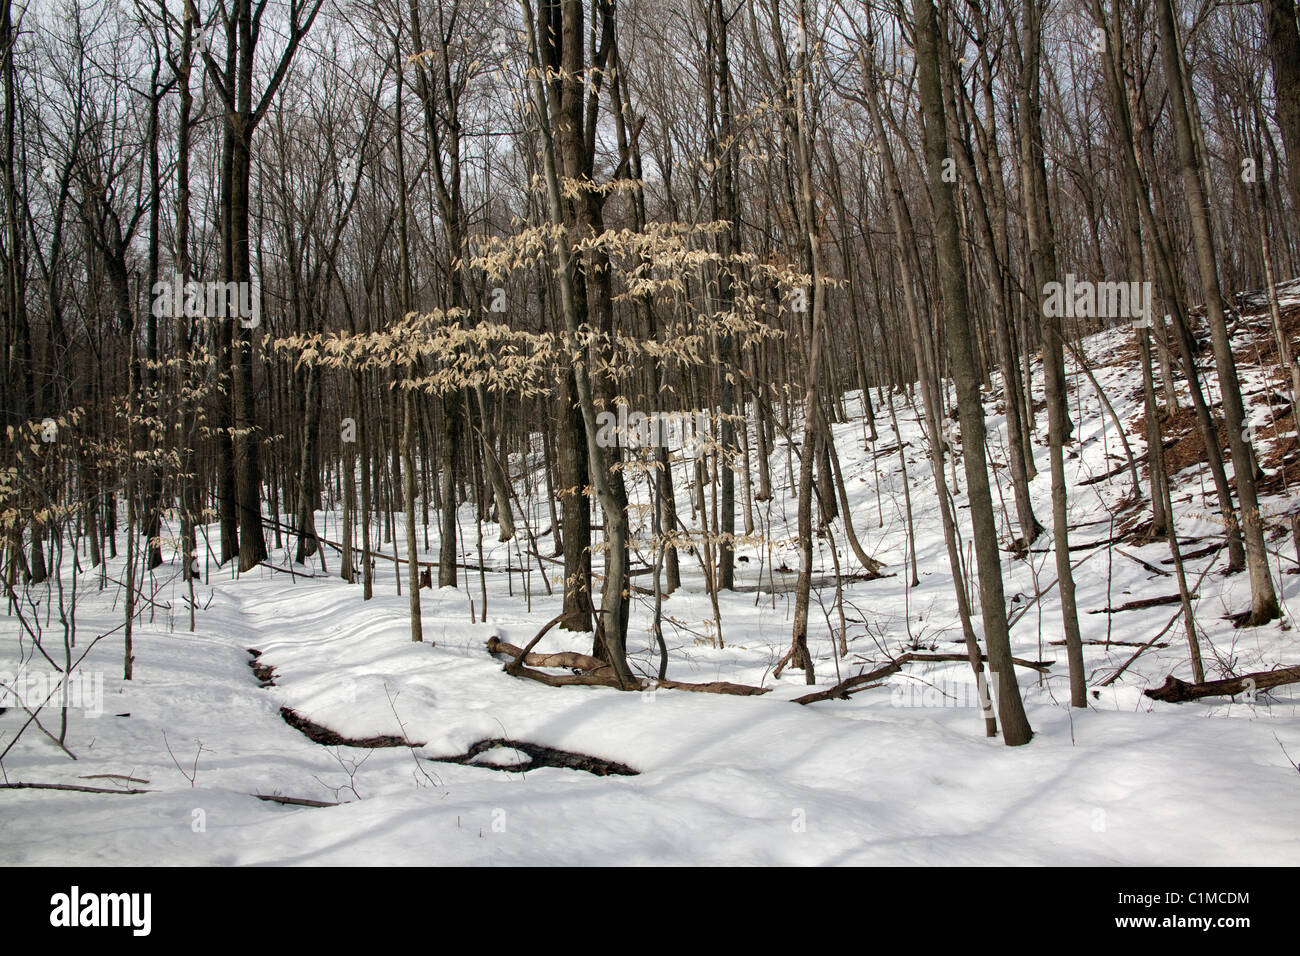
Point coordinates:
[(329, 738), (264, 673), (538, 756), (1263, 347), (1184, 445)]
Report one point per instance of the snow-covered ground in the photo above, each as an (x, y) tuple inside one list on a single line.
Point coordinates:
[(900, 774)]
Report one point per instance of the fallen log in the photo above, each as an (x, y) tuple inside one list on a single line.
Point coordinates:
[(603, 678), (1142, 604), (889, 450), (290, 571), (1175, 691), (65, 786), (293, 801), (570, 659), (865, 681), (707, 687), (1040, 666), (113, 776), (1082, 546), (1146, 564), (842, 690), (1118, 470), (516, 669), (1114, 643), (1199, 553)]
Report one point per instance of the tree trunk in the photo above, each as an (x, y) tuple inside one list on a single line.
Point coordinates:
[(1264, 605), (952, 273), (1042, 251), (1284, 53)]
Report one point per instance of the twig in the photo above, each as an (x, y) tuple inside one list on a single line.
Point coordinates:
[(65, 786), (194, 772), (293, 801), (392, 705), (1150, 567), (112, 776)]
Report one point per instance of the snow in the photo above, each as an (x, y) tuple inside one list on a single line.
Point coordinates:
[(900, 774)]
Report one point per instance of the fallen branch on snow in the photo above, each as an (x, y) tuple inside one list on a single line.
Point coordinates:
[(864, 681), (1113, 643), (609, 680), (65, 786), (293, 801), (1143, 603), (573, 659), (1177, 691), (1146, 564), (599, 675)]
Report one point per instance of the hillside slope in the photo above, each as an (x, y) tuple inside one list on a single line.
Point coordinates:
[(899, 773)]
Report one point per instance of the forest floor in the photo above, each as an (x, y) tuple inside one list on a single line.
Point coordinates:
[(898, 774)]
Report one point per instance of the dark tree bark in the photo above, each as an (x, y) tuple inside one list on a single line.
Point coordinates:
[(1264, 605), (952, 273), (234, 85), (1042, 252), (1283, 37)]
